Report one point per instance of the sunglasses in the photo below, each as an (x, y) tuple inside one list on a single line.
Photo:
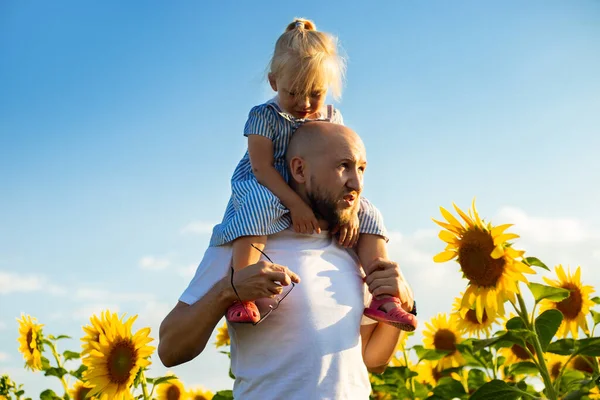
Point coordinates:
[(268, 305)]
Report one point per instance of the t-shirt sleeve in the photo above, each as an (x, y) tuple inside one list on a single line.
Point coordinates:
[(371, 220), (214, 266), (261, 121), (337, 117)]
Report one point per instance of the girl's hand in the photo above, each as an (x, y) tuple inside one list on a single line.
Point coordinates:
[(348, 234), (303, 219)]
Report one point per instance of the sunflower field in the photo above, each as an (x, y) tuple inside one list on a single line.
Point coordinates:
[(505, 337)]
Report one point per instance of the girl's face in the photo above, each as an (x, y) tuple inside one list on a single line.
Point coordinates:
[(295, 104)]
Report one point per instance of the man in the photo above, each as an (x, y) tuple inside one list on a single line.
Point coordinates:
[(316, 344)]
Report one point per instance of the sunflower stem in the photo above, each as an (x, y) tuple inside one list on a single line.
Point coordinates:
[(550, 392), (143, 382), (410, 380), (59, 365), (560, 374)]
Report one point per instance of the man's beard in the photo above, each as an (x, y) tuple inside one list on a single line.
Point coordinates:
[(325, 206)]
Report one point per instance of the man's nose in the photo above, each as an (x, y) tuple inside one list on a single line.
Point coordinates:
[(355, 181)]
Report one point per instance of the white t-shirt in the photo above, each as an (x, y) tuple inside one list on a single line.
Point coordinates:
[(310, 346)]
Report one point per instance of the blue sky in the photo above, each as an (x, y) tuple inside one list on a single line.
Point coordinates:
[(120, 125)]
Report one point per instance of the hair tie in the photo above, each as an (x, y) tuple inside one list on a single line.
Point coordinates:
[(300, 24)]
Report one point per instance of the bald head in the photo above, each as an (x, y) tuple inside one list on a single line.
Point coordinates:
[(313, 139), (326, 163)]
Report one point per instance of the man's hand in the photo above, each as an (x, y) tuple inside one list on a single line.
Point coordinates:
[(263, 279), (348, 233), (304, 219), (386, 278)]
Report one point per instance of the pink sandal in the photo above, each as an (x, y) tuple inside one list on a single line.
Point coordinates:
[(245, 312), (397, 316)]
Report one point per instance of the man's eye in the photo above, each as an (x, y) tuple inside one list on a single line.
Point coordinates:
[(361, 169), (292, 93), (316, 94)]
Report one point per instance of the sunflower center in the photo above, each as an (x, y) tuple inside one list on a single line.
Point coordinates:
[(30, 346), (571, 306), (120, 361), (199, 397), (436, 373), (445, 339), (173, 393), (520, 352), (471, 316), (82, 393), (583, 364), (555, 369), (475, 259)]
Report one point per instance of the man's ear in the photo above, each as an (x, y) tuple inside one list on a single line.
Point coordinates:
[(298, 169), (272, 81)]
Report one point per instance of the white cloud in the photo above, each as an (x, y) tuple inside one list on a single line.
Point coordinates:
[(189, 271), (151, 315), (100, 294), (4, 357), (85, 312), (546, 230), (2, 326), (198, 228), (153, 263), (12, 283)]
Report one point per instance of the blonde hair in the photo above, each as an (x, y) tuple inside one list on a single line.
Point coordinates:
[(310, 56)]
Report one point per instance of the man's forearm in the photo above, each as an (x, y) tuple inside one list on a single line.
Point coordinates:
[(186, 330)]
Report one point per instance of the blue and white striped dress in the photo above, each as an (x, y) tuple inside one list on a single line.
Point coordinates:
[(253, 210)]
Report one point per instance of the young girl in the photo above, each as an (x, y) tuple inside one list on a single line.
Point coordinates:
[(305, 65)]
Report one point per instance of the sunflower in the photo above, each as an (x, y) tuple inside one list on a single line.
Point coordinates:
[(200, 393), (92, 332), (575, 307), (442, 334), (467, 320), (486, 259), (116, 358), (80, 391), (594, 393), (222, 336), (516, 353), (428, 373), (171, 390), (555, 364), (583, 364), (30, 342)]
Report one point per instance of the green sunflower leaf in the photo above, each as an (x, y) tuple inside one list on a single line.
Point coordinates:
[(49, 394), (71, 355), (515, 323), (52, 337), (564, 347), (546, 326), (164, 379), (595, 317), (78, 373), (53, 371), (596, 299), (448, 388), (223, 395), (497, 390), (589, 347), (429, 354), (548, 292), (523, 368), (475, 379), (535, 262)]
